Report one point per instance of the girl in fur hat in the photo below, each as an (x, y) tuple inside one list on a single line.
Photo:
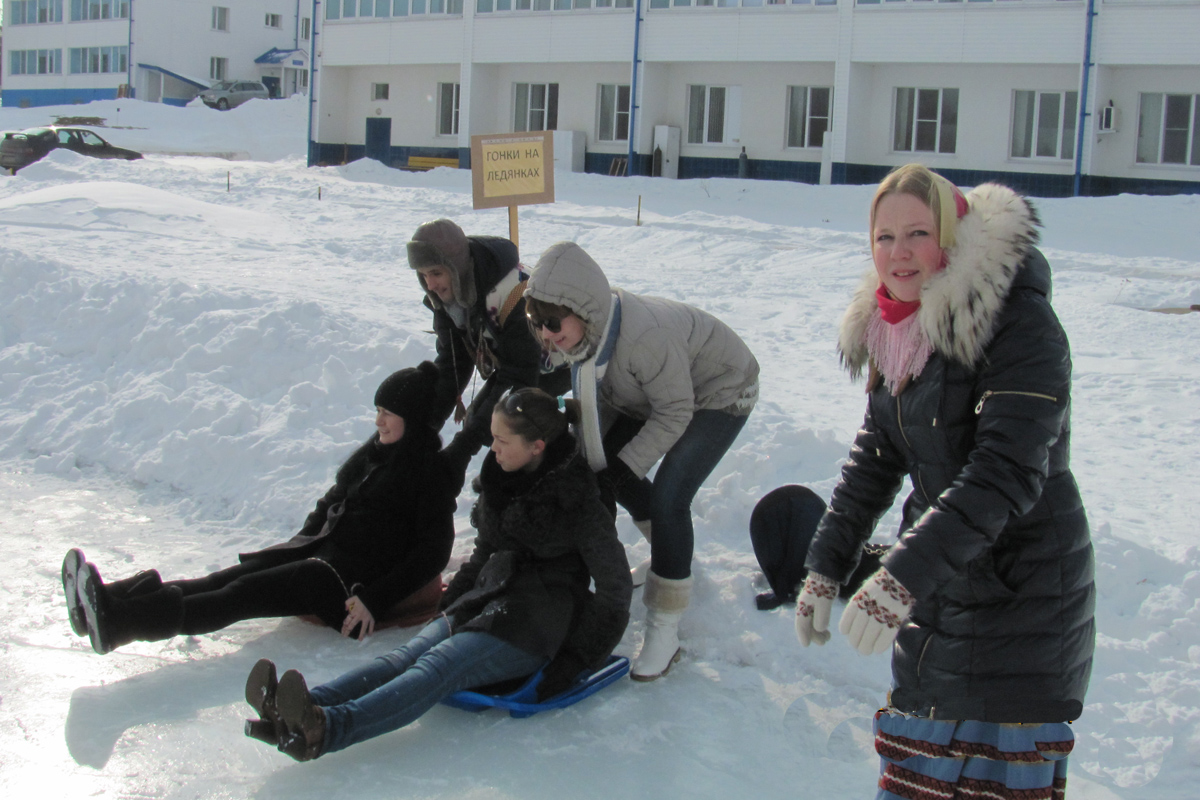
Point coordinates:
[(372, 549), (986, 602)]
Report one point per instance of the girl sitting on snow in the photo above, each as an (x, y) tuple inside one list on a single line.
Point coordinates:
[(986, 602), (374, 547), (521, 600)]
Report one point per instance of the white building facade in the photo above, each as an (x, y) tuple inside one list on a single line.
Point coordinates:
[(809, 90), (75, 51)]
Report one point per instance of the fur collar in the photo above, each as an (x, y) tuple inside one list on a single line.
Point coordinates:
[(960, 304)]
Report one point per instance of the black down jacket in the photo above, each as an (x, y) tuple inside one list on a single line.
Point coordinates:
[(510, 349), (387, 524), (543, 536), (994, 543)]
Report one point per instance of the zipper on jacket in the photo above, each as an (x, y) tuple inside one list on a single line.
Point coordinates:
[(900, 424), (921, 658), (989, 393)]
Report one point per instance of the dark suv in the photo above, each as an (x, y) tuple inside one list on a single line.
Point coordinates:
[(22, 148)]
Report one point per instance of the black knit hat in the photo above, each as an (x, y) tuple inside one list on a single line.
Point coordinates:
[(409, 393)]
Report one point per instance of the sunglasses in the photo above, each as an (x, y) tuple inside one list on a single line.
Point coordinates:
[(552, 324)]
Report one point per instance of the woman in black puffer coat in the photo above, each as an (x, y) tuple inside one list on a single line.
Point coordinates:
[(988, 597), (375, 544), (520, 601)]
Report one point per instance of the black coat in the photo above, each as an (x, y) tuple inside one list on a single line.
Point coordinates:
[(542, 537), (518, 359), (387, 524), (994, 541)]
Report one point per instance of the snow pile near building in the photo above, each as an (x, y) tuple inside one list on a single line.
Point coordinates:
[(259, 130)]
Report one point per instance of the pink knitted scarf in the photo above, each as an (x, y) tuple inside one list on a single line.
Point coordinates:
[(898, 349)]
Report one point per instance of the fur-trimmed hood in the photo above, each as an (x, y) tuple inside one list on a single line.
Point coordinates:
[(959, 305)]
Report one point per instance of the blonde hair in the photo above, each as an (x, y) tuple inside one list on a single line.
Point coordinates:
[(940, 195)]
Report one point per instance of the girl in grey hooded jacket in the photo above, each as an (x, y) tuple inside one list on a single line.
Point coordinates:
[(657, 380)]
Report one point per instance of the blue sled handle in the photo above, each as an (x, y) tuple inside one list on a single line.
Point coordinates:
[(522, 702)]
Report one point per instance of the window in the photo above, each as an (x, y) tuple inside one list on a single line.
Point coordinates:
[(35, 62), (220, 18), (1169, 129), (305, 28), (536, 107), (34, 12), (99, 9), (809, 110), (86, 60), (379, 91), (486, 6), (713, 114), (1044, 124), (274, 20), (448, 109), (612, 118), (926, 120), (218, 68)]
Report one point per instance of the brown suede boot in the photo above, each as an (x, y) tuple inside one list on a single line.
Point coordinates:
[(302, 719), (261, 687)]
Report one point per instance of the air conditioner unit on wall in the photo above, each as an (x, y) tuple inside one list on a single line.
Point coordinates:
[(1108, 119)]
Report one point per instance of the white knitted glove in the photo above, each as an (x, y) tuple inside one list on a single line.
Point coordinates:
[(873, 618), (813, 607)]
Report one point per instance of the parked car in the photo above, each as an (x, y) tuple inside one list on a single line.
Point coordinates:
[(22, 148), (230, 94)]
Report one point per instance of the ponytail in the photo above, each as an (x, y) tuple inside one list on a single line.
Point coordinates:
[(533, 414)]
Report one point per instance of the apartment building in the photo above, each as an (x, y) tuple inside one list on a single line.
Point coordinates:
[(75, 51), (1054, 97)]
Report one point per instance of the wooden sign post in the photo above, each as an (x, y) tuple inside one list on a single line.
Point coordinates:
[(512, 169)]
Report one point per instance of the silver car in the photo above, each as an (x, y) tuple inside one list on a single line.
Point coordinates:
[(230, 94)]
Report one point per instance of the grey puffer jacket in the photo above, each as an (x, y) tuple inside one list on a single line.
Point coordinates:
[(671, 359), (994, 543)]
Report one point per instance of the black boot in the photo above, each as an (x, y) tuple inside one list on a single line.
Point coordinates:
[(302, 719), (261, 686), (142, 583), (113, 622)]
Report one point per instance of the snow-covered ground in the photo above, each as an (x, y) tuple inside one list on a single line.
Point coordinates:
[(188, 349)]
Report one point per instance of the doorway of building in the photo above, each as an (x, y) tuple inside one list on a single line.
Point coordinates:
[(272, 84), (379, 139)]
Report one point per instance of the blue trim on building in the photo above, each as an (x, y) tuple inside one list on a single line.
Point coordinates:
[(601, 163), (175, 75), (29, 98), (327, 154), (1039, 184), (1030, 183), (175, 101)]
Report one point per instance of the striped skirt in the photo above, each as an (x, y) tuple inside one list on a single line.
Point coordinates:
[(925, 759)]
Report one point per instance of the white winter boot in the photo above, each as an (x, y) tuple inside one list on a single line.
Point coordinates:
[(640, 572), (666, 600)]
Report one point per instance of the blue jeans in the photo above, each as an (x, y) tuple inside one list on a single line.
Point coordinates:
[(397, 688), (667, 500)]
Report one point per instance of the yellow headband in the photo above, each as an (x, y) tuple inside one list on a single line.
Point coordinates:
[(948, 207)]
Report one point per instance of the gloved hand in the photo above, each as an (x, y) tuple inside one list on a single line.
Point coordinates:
[(460, 451), (559, 675), (616, 474), (875, 613), (813, 607)]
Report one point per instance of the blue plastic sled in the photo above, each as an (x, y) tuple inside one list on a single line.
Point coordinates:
[(522, 702)]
